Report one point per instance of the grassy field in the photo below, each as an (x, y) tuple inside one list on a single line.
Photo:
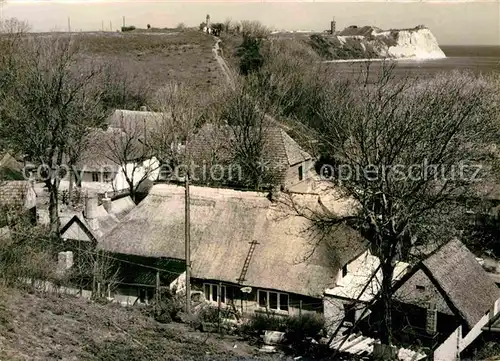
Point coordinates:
[(155, 57), (50, 327)]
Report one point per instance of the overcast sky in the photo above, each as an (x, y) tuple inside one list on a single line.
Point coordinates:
[(453, 22)]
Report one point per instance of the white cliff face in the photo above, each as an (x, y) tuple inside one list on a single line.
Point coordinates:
[(417, 43), (414, 44)]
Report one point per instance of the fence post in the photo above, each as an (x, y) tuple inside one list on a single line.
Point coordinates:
[(157, 292), (219, 305)]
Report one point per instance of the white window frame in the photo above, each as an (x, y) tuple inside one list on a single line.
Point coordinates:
[(97, 174), (278, 295), (209, 296)]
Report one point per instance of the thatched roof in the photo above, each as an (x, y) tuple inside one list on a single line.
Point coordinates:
[(453, 272), (133, 121), (103, 152), (278, 147), (17, 194), (223, 222), (10, 168), (463, 279)]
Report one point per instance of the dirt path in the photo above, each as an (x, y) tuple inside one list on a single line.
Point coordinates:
[(223, 64)]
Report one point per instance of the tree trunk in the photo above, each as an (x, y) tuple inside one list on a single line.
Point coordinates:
[(70, 188), (53, 208), (386, 321), (133, 195)]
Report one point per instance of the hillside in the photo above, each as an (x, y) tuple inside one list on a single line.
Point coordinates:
[(49, 327), (155, 58), (369, 42)]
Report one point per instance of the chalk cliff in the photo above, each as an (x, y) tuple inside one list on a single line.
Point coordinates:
[(370, 42)]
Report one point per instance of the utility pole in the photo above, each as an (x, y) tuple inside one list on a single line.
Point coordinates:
[(69, 25), (124, 21), (110, 26), (187, 245), (102, 25)]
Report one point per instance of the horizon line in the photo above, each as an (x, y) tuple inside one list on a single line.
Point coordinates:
[(13, 2)]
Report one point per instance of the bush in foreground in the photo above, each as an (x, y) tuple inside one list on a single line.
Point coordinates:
[(296, 328)]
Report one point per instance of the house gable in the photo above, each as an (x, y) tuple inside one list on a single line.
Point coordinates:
[(76, 230), (460, 280), (419, 290)]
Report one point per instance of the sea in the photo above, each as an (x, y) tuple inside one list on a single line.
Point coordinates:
[(483, 60)]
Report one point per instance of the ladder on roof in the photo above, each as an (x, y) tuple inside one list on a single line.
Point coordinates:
[(244, 270)]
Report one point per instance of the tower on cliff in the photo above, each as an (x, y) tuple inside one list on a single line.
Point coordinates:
[(333, 26), (208, 21)]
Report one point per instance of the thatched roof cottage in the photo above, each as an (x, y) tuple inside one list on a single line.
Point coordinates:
[(287, 164), (445, 301), (238, 239)]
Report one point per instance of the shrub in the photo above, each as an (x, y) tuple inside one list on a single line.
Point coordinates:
[(254, 29), (210, 315), (26, 251), (251, 59), (168, 308), (128, 28), (299, 328), (259, 322)]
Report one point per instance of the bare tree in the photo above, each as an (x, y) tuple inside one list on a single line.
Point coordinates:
[(249, 129), (237, 143), (125, 147), (407, 153), (50, 107), (26, 250), (181, 110), (255, 29)]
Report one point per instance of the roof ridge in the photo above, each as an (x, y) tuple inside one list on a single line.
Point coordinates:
[(282, 138)]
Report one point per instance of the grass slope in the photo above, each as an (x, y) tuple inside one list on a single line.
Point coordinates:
[(157, 57), (50, 327)]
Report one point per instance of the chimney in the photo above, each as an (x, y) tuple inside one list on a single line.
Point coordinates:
[(106, 202), (90, 212), (431, 319)]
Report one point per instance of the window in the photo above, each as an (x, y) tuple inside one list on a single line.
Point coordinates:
[(350, 313), (95, 177), (107, 176), (420, 288), (212, 292), (301, 173), (273, 300), (344, 271)]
